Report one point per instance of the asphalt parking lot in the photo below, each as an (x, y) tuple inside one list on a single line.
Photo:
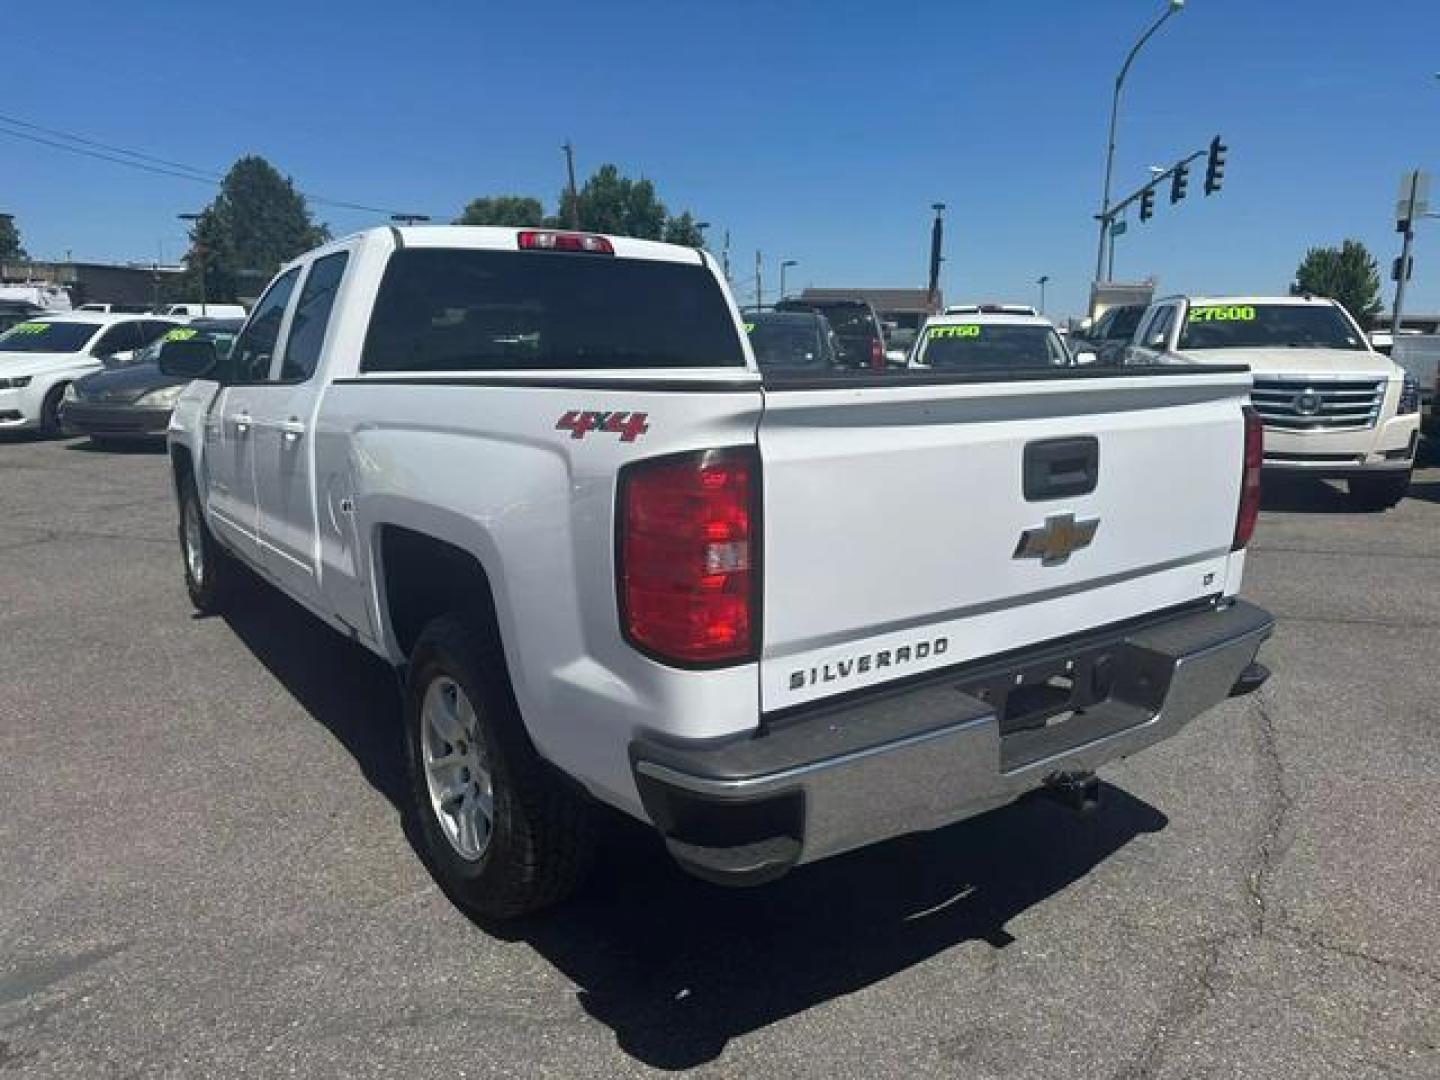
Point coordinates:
[(203, 872)]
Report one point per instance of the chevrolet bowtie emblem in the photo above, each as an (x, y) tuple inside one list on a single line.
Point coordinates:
[(1053, 542)]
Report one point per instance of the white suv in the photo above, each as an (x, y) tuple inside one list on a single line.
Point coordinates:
[(1332, 406)]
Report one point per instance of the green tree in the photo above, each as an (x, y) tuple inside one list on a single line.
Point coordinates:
[(10, 247), (611, 202), (503, 210), (684, 230), (256, 223), (1347, 274), (10, 241)]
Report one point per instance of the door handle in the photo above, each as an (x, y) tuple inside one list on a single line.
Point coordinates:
[(292, 429), (241, 421), (1061, 468)]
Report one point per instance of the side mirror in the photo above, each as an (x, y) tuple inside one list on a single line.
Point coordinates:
[(189, 358), (1083, 358)]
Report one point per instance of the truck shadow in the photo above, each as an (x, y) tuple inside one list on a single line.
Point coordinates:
[(677, 968), (1305, 495)]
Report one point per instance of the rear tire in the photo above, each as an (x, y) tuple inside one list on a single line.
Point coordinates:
[(1378, 492), (503, 833), (209, 569), (50, 425)]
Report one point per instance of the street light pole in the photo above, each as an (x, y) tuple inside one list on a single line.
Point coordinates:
[(570, 172), (192, 220), (937, 240), (700, 227), (1042, 280), (783, 264), (1173, 7)]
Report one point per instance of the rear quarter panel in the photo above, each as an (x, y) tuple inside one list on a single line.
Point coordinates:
[(485, 468)]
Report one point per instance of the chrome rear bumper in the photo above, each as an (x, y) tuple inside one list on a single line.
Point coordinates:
[(924, 755)]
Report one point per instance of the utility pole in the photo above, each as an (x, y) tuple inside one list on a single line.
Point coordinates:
[(759, 288), (1413, 202), (191, 222), (569, 149), (725, 256), (937, 236)]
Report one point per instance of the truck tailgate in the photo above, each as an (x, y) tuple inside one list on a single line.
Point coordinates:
[(899, 535)]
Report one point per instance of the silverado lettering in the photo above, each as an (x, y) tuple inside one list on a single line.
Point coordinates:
[(860, 665)]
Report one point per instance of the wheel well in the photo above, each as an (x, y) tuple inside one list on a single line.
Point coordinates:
[(181, 465), (425, 578)]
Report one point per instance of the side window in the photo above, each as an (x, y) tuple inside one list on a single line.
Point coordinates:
[(251, 354), (153, 330), (1165, 322), (122, 337), (1101, 332), (312, 316)]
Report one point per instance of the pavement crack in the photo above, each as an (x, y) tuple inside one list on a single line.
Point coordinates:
[(1276, 804), (1315, 940), (1194, 994)]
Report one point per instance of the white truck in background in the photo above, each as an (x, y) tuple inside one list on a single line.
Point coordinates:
[(1333, 407), (775, 616)]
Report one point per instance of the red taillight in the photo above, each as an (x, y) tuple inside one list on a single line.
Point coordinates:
[(1250, 479), (688, 553), (565, 241), (877, 355)]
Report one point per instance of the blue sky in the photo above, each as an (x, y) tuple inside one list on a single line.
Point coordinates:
[(820, 132)]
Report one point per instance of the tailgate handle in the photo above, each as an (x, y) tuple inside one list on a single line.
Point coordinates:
[(1061, 468)]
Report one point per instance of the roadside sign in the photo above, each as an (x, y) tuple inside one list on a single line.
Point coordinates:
[(1414, 197), (1117, 228)]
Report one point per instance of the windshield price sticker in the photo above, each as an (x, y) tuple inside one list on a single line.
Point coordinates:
[(963, 330), (181, 334), (749, 328), (1222, 313), (31, 327)]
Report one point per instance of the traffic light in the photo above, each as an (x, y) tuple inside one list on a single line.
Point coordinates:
[(1215, 167), (1147, 204), (1178, 180)]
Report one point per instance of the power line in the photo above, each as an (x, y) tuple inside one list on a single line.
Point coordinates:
[(146, 162), (15, 121)]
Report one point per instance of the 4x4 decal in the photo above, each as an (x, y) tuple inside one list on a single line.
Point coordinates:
[(628, 425)]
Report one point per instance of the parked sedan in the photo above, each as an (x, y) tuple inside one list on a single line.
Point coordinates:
[(792, 341), (134, 399)]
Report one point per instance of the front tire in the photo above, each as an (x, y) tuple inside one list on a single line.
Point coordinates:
[(50, 425), (209, 568), (1379, 492), (501, 831)]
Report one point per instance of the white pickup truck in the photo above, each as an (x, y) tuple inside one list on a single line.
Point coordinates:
[(776, 617), (1333, 407)]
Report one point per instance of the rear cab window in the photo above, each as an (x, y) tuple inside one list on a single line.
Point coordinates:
[(459, 309)]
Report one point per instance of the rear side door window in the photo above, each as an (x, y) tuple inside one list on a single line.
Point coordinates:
[(254, 349), (1165, 322), (120, 338), (312, 317)]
